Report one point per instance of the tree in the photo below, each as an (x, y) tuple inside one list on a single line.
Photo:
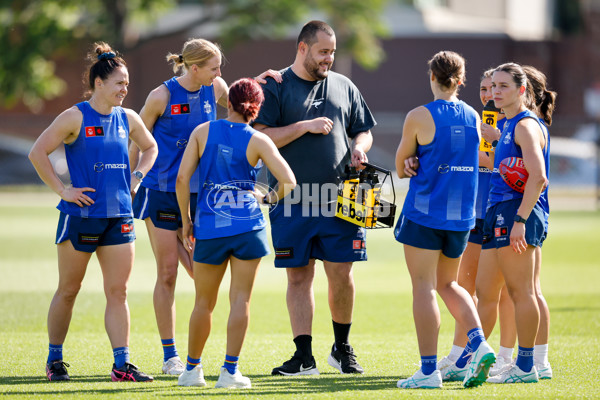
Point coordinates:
[(33, 33)]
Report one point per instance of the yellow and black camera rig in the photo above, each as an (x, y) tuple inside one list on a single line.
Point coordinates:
[(359, 198)]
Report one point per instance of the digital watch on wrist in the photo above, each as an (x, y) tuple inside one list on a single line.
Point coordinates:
[(518, 218)]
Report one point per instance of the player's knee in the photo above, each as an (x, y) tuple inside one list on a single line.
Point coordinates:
[(68, 293), (167, 274), (116, 293)]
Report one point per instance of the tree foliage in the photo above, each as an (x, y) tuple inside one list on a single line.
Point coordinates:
[(33, 33), (357, 23)]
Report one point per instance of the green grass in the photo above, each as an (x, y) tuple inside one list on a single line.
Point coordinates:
[(382, 334)]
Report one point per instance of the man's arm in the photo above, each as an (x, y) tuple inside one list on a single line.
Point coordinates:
[(284, 135), (361, 144)]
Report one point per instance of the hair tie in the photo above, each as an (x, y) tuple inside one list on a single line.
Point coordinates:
[(106, 55), (180, 58)]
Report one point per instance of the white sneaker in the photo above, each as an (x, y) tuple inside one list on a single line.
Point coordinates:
[(478, 368), (173, 366), (453, 373), (235, 381), (501, 365), (515, 375), (544, 370), (422, 381), (444, 363), (194, 377)]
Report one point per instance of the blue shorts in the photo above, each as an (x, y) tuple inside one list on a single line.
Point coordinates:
[(476, 234), (245, 246), (499, 220), (451, 243), (161, 207), (86, 234), (297, 238)]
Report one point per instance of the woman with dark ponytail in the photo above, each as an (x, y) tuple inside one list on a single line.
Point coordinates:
[(516, 222), (95, 210), (229, 227)]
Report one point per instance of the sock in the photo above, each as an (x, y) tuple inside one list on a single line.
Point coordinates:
[(506, 353), (341, 333), (428, 364), (455, 352), (525, 358), (304, 346), (231, 364), (476, 337), (121, 355), (54, 352), (540, 354), (169, 349), (192, 363), (465, 356)]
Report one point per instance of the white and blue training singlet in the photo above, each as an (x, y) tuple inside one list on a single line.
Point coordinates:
[(442, 194), (98, 158)]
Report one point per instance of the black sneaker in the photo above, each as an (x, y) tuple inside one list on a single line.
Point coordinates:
[(344, 360), (57, 371), (130, 373), (297, 365)]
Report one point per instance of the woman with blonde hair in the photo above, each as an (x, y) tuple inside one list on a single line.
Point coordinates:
[(171, 113)]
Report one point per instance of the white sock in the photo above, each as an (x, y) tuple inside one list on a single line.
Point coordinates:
[(506, 353), (455, 352), (540, 354)]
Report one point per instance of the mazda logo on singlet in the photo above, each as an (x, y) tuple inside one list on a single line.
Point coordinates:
[(443, 168), (99, 167), (181, 143)]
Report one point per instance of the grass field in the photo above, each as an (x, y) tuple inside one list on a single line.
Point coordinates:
[(383, 331)]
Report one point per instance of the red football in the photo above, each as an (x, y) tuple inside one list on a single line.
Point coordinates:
[(513, 172)]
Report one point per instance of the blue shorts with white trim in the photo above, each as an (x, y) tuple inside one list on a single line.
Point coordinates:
[(86, 234), (161, 207)]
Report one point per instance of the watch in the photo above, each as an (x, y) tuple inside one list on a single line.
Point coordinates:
[(139, 175), (518, 218), (495, 143), (264, 199)]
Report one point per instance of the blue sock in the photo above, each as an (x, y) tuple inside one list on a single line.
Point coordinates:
[(428, 364), (169, 349), (54, 352), (465, 356), (192, 363), (476, 337), (231, 363), (121, 355), (525, 358)]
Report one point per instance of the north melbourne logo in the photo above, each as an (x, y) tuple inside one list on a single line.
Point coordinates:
[(317, 102)]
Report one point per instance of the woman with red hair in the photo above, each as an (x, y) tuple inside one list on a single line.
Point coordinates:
[(229, 227)]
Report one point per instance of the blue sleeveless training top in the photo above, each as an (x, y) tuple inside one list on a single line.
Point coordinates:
[(226, 206), (172, 130), (499, 190), (98, 158), (442, 194)]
